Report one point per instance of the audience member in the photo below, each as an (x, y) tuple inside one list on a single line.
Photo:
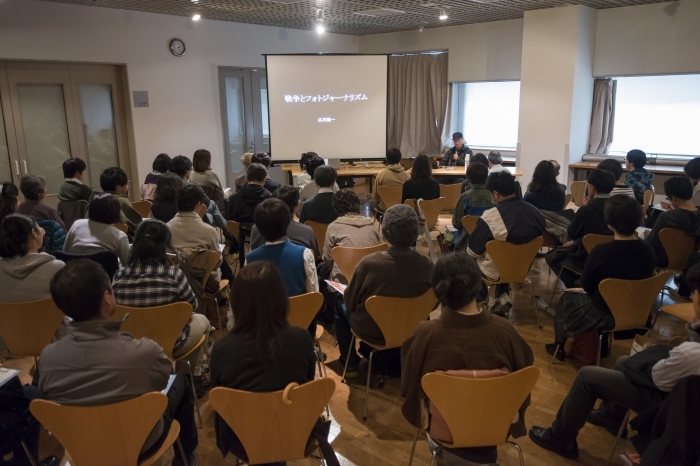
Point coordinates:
[(24, 271), (296, 263), (476, 158), (589, 219), (241, 206), (303, 178), (457, 155), (320, 207), (203, 175), (160, 167), (463, 338), (240, 181), (544, 191), (311, 189), (399, 272), (33, 188), (421, 185), (114, 181), (692, 169), (187, 228), (148, 280), (73, 188), (617, 391), (625, 257), (164, 205), (557, 170), (615, 167), (513, 221), (96, 233), (495, 161), (265, 160), (297, 233), (639, 179), (182, 166), (99, 365), (9, 199), (393, 175), (474, 201), (682, 215)]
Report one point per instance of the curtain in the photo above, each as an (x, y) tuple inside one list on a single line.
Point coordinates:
[(418, 100), (603, 116)]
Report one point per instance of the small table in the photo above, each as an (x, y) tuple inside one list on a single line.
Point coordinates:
[(669, 170)]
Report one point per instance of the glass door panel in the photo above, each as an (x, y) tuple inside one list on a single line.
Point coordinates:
[(237, 143), (99, 130), (5, 167), (265, 123)]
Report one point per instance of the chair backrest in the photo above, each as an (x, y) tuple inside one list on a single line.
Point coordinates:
[(391, 195), (70, 211), (630, 301), (234, 228), (648, 200), (451, 194), (107, 259), (109, 435), (319, 232), (213, 258), (567, 199), (590, 241), (513, 260), (202, 210), (398, 318), (678, 246), (467, 403), (303, 309), (273, 426), (578, 191), (347, 258), (121, 227), (162, 324), (142, 207), (407, 164), (548, 240), (431, 210), (469, 223), (28, 327)]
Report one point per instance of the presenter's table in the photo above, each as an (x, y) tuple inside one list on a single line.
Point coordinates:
[(668, 170)]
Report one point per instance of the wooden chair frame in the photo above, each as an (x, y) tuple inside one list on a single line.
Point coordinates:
[(390, 195), (28, 327), (578, 191), (121, 227), (143, 208), (431, 210), (451, 193), (469, 223), (213, 258), (319, 230), (347, 258), (302, 310)]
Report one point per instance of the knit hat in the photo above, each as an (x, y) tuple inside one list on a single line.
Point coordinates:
[(400, 226)]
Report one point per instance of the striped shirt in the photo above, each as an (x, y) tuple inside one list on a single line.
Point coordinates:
[(683, 361), (149, 286), (623, 189)]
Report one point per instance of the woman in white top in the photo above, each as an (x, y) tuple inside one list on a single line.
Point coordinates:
[(304, 178)]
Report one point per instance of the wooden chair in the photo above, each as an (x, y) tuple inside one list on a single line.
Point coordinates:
[(162, 324), (469, 223), (70, 211), (109, 435), (431, 210), (397, 318), (451, 194), (234, 228), (649, 195), (578, 192), (390, 195), (568, 200), (302, 310), (319, 232), (549, 241), (28, 327), (678, 246), (464, 404), (513, 262), (347, 258), (202, 210), (121, 227), (273, 426), (143, 208), (213, 258), (683, 311)]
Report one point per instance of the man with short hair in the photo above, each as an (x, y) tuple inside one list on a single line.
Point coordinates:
[(615, 167), (557, 170), (96, 364), (72, 189), (495, 161), (457, 155), (311, 189), (320, 207), (692, 169), (265, 160), (182, 167), (187, 228), (393, 175), (298, 233), (513, 221), (114, 181)]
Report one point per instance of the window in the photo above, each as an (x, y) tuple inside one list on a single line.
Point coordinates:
[(657, 114), (487, 113)]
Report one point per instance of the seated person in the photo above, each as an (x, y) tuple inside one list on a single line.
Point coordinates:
[(495, 161), (692, 169), (557, 170), (639, 179), (240, 181), (114, 181), (9, 199), (311, 188), (297, 233), (615, 167), (464, 337), (33, 189), (99, 365), (262, 353), (265, 160), (589, 219), (320, 207), (393, 175), (182, 167), (513, 221), (625, 257), (164, 205), (544, 191), (398, 272), (421, 185), (187, 228), (296, 263), (160, 167), (207, 178), (474, 201), (148, 280), (73, 188), (614, 390), (96, 233), (25, 272), (303, 178), (476, 158), (459, 154), (681, 215)]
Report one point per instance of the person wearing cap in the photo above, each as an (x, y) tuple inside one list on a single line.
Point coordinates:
[(399, 272), (457, 156)]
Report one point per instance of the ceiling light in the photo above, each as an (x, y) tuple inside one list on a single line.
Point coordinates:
[(196, 17), (195, 1), (443, 15), (320, 28), (421, 28)]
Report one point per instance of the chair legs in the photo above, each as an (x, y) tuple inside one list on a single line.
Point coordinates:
[(28, 453), (369, 376), (520, 452), (554, 358), (182, 452), (194, 393), (413, 448), (534, 303), (556, 284), (619, 434), (352, 348)]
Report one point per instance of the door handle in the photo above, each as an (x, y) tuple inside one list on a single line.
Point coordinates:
[(25, 166), (17, 167)]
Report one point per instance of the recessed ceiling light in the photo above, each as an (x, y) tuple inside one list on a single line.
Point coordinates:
[(443, 15), (320, 28), (196, 17), (421, 28)]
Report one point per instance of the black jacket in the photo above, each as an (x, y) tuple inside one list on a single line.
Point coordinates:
[(319, 209), (589, 219), (242, 204), (272, 186), (448, 161), (677, 219)]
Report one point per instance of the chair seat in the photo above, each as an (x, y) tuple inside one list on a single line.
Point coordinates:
[(319, 331), (682, 311), (223, 284), (568, 265), (377, 347)]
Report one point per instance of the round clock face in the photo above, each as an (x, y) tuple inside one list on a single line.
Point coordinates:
[(177, 47)]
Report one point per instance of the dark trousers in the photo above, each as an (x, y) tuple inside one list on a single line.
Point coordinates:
[(612, 388), (344, 335), (30, 436), (565, 275)]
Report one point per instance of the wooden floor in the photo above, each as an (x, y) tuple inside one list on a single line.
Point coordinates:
[(386, 438)]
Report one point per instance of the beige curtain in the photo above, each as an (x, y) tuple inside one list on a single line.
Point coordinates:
[(603, 116), (418, 99)]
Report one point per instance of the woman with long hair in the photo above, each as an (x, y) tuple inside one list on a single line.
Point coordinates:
[(164, 205), (544, 191), (421, 185)]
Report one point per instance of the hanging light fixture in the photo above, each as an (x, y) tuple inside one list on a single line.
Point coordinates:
[(196, 17), (320, 28), (443, 15)]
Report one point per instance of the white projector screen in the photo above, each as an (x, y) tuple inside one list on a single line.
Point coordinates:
[(334, 105)]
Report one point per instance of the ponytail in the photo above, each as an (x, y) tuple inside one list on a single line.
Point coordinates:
[(456, 280)]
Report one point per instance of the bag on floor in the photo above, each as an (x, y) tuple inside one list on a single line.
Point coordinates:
[(585, 347)]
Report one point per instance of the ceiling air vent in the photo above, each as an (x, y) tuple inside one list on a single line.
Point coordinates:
[(379, 12)]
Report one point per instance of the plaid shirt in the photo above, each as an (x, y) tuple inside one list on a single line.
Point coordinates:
[(149, 285)]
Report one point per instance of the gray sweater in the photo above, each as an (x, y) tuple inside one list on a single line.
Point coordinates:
[(27, 278), (353, 231), (90, 237)]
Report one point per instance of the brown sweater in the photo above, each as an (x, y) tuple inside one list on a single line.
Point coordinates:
[(460, 341), (40, 211), (396, 272)]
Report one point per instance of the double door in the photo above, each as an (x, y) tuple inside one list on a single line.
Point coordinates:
[(52, 111)]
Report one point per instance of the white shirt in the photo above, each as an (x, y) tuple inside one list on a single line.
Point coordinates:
[(309, 265), (497, 168), (74, 180), (682, 361)]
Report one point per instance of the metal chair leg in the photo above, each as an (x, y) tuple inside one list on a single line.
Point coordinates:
[(413, 449), (534, 302), (28, 453), (218, 314), (194, 393), (600, 347), (369, 376), (619, 435), (554, 358), (555, 286), (433, 458), (520, 452), (347, 358), (182, 452)]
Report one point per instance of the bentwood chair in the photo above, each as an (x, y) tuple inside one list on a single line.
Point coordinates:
[(678, 246), (469, 223), (319, 230), (578, 192), (143, 208), (649, 195), (302, 311), (108, 435), (451, 193), (347, 258), (431, 210), (682, 311), (274, 426), (213, 260), (391, 195)]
